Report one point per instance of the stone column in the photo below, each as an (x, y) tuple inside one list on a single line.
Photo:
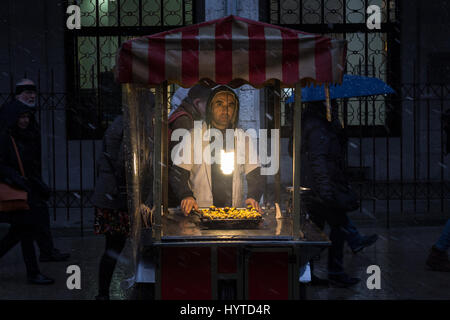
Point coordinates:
[(248, 96)]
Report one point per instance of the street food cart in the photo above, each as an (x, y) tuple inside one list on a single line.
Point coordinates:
[(188, 260)]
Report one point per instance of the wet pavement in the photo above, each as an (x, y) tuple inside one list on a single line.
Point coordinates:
[(400, 253)]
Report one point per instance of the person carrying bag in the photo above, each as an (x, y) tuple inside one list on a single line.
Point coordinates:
[(11, 198), (16, 190)]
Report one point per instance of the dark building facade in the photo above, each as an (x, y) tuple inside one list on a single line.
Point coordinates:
[(396, 150)]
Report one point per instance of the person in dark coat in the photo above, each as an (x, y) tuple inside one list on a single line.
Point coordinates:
[(25, 96), (192, 108), (437, 259), (17, 121), (323, 171), (110, 201)]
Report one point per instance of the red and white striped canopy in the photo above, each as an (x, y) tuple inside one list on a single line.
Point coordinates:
[(233, 51)]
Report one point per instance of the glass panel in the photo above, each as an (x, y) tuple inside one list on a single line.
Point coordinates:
[(108, 49), (173, 14), (311, 12), (334, 11), (354, 115), (377, 51), (151, 12), (88, 13), (290, 12), (87, 58), (129, 13), (108, 13), (355, 52), (356, 11)]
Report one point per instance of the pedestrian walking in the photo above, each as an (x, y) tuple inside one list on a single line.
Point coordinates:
[(110, 200), (438, 257), (26, 95), (330, 196), (18, 169)]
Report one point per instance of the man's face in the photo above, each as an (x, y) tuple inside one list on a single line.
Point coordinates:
[(27, 97), (223, 108), (23, 121)]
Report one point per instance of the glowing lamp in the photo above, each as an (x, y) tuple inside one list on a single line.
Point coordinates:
[(226, 162)]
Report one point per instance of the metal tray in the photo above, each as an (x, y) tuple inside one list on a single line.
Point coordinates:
[(253, 223)]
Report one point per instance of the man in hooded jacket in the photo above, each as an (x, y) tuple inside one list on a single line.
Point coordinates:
[(205, 184)]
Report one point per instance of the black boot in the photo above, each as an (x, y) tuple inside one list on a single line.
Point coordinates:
[(438, 260), (40, 279), (316, 281), (342, 280), (365, 242)]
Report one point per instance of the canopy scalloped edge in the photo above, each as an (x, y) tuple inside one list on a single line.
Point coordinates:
[(233, 51)]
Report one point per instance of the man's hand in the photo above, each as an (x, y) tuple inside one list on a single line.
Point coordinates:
[(253, 203), (147, 215), (187, 204)]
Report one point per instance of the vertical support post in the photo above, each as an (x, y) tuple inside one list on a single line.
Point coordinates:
[(164, 149), (277, 125), (296, 158), (130, 130), (157, 160)]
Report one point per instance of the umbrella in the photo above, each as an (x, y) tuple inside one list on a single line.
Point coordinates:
[(352, 86)]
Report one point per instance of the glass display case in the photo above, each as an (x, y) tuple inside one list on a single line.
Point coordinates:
[(193, 258)]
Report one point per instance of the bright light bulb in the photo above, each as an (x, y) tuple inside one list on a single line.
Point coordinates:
[(226, 161)]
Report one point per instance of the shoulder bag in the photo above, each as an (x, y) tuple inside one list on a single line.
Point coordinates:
[(11, 198)]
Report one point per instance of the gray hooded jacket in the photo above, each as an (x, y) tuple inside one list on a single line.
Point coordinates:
[(110, 188)]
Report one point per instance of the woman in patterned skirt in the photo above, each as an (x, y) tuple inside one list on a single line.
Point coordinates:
[(110, 201)]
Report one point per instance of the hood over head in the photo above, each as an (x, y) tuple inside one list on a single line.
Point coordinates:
[(10, 113), (215, 91)]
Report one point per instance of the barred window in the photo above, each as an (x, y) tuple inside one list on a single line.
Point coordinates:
[(105, 24), (371, 53)]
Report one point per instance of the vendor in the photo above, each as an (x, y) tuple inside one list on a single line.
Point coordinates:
[(207, 184)]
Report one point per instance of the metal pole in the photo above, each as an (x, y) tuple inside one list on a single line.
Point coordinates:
[(130, 105), (157, 160), (277, 118), (164, 150), (296, 158)]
